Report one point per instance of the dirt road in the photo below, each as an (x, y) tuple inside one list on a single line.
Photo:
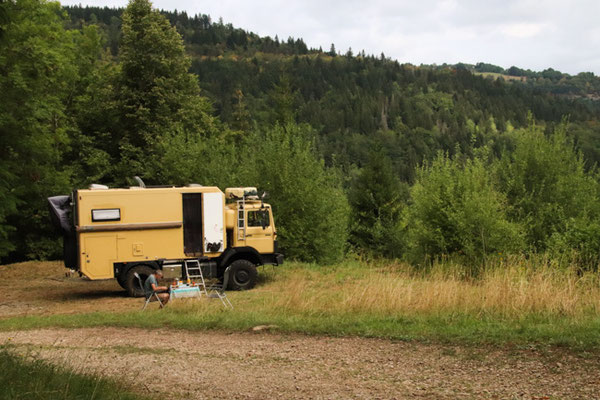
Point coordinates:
[(213, 365)]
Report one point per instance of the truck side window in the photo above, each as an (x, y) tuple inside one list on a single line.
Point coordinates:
[(258, 218)]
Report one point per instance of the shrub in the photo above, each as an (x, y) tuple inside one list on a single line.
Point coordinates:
[(455, 209), (311, 207), (550, 193)]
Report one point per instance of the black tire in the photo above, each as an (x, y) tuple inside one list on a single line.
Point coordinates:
[(242, 275), (132, 283), (122, 280)]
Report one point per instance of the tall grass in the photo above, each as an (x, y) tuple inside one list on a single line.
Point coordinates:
[(514, 300), (507, 289), (23, 377)]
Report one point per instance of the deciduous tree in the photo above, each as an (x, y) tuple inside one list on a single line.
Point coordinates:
[(36, 64)]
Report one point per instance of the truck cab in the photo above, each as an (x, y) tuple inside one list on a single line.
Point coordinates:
[(250, 221)]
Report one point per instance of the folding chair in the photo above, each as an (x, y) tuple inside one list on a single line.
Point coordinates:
[(218, 291), (148, 298)]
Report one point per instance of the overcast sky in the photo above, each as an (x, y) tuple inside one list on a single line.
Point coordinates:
[(531, 34)]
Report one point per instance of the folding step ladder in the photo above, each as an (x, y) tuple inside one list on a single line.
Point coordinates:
[(193, 271)]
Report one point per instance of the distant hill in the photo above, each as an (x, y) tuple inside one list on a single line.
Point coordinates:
[(584, 84), (356, 100)]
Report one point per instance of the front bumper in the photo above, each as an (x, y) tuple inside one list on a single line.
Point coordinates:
[(274, 258)]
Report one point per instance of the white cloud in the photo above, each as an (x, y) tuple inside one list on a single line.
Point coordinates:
[(523, 30)]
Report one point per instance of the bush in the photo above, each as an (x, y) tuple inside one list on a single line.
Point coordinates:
[(310, 206), (197, 159), (578, 243), (551, 194), (455, 209)]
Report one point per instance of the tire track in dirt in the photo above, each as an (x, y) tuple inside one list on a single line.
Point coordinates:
[(211, 365)]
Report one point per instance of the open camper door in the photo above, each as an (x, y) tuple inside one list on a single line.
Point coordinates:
[(214, 229), (192, 224)]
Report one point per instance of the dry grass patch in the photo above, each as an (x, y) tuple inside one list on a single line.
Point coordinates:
[(513, 289), (512, 300)]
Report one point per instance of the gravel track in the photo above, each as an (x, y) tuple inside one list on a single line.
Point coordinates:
[(217, 365)]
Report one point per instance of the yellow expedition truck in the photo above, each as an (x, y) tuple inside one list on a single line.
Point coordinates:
[(113, 233)]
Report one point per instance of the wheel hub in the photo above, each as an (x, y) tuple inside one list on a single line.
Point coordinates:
[(241, 277)]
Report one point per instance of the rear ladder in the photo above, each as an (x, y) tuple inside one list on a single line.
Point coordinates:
[(241, 220)]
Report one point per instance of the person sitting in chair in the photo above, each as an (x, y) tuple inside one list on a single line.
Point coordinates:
[(151, 287)]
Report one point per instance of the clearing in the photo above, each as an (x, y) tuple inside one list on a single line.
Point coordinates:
[(257, 365)]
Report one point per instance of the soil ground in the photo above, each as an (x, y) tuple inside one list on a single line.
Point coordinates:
[(213, 365), (41, 288), (262, 365)]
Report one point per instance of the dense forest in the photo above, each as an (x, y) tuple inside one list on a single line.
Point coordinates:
[(359, 153)]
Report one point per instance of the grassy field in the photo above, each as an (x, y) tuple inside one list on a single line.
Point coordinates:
[(23, 377), (511, 301)]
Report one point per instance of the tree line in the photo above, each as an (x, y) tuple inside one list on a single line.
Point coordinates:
[(358, 153)]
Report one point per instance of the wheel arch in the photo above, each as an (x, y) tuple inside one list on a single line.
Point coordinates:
[(121, 269), (239, 253)]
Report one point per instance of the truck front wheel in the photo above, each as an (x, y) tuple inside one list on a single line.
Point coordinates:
[(242, 275), (132, 284)]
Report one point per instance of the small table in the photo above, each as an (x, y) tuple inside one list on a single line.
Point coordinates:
[(184, 291)]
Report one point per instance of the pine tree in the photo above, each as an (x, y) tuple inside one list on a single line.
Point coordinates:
[(156, 94), (282, 99), (241, 116), (332, 51), (377, 198)]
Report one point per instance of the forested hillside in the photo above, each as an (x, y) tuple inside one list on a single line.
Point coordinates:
[(359, 152), (352, 100)]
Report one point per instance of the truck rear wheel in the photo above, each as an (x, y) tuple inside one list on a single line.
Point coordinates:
[(242, 275), (122, 280), (132, 284)]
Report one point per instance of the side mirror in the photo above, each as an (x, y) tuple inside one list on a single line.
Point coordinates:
[(262, 199), (263, 223)]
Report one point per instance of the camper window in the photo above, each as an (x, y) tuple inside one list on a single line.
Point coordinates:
[(111, 214)]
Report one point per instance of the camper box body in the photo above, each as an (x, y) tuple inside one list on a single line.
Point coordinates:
[(136, 225)]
